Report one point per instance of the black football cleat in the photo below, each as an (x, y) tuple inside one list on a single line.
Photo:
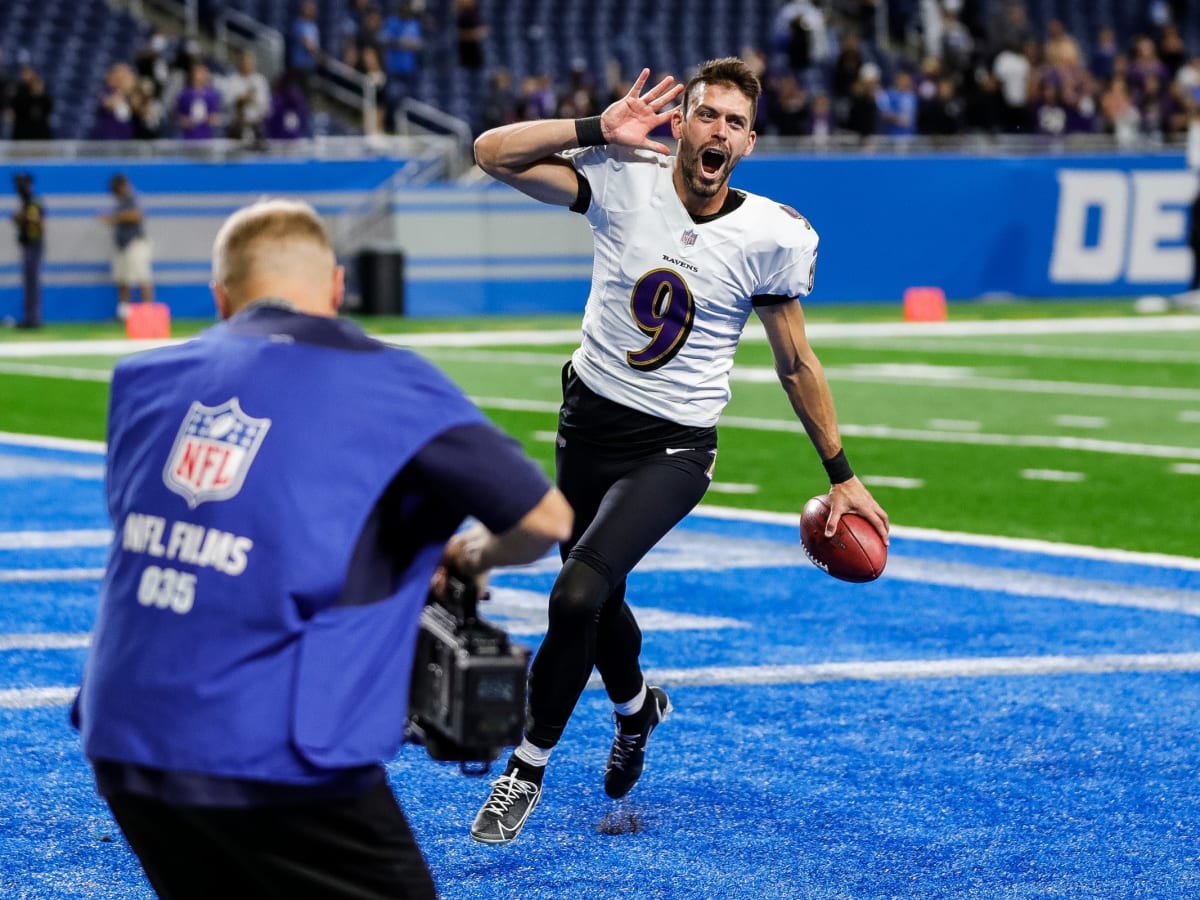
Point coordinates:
[(508, 806), (627, 758)]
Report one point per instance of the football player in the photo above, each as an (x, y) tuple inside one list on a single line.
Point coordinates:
[(681, 259)]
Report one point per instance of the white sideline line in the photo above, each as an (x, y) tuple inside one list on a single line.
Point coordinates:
[(22, 467), (38, 576), (50, 443), (906, 669), (754, 332), (73, 373)]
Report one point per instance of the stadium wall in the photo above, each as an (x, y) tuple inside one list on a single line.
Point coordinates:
[(1051, 226)]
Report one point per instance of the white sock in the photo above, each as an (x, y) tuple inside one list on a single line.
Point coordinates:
[(629, 707), (531, 753)]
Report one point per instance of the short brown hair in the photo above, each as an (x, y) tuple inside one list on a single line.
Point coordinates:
[(729, 71), (237, 250)]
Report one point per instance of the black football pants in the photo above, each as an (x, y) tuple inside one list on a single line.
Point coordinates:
[(623, 507)]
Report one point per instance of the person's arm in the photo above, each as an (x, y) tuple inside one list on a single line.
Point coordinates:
[(475, 550), (803, 381), (523, 154)]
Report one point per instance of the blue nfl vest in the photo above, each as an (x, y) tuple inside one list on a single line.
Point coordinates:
[(241, 469)]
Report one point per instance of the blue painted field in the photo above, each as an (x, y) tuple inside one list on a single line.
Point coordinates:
[(984, 721)]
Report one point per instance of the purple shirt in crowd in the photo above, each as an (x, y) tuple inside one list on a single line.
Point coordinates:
[(198, 104)]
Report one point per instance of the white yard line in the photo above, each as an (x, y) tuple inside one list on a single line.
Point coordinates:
[(1036, 351), (41, 576), (45, 641), (817, 673), (1022, 545), (1057, 442), (54, 540), (908, 669)]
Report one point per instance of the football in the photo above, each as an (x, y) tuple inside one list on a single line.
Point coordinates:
[(854, 553)]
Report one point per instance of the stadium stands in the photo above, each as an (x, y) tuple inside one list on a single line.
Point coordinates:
[(71, 43)]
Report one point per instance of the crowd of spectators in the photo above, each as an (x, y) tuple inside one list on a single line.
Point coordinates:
[(949, 69), (941, 67), (168, 90)]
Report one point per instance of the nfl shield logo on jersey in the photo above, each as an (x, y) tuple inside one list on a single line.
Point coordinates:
[(688, 238), (213, 452)]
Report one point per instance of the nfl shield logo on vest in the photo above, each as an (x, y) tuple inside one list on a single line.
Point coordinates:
[(213, 452), (688, 238)]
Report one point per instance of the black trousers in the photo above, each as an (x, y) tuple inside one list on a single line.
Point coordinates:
[(357, 848), (623, 507)]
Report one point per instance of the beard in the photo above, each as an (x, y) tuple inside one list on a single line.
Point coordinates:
[(694, 177)]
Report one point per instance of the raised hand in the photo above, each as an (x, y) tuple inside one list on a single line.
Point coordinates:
[(630, 120)]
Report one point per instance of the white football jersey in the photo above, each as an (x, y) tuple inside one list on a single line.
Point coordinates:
[(670, 296)]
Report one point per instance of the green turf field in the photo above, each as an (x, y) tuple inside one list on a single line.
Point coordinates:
[(1038, 423)]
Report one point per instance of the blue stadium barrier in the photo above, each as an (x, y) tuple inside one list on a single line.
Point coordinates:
[(1052, 226)]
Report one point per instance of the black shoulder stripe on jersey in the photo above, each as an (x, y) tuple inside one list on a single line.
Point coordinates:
[(770, 299), (583, 199)]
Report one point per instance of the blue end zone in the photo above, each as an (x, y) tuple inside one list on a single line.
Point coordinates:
[(980, 722)]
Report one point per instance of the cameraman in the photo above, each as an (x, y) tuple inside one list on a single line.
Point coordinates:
[(282, 490)]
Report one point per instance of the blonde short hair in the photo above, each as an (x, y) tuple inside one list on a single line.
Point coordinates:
[(243, 245)]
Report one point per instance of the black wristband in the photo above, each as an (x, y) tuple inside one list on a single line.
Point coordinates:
[(588, 132), (839, 470)]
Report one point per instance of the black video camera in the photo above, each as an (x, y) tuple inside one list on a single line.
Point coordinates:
[(467, 698)]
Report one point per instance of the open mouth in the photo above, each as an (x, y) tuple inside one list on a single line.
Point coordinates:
[(711, 161)]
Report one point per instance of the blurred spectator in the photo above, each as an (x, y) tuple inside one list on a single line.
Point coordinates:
[(148, 111), (1145, 64), (1049, 112), (31, 107), (198, 106), (402, 40), (499, 105), (983, 102), (823, 124), (114, 111), (846, 67), (30, 219), (790, 111), (579, 99), (863, 115), (1153, 108), (943, 114), (801, 32), (132, 255), (371, 66), (1013, 68), (248, 98), (1120, 114), (958, 46), (1103, 60), (289, 119), (472, 32), (898, 106), (349, 30), (1172, 50), (370, 35), (537, 98), (304, 51), (151, 62), (1010, 26)]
